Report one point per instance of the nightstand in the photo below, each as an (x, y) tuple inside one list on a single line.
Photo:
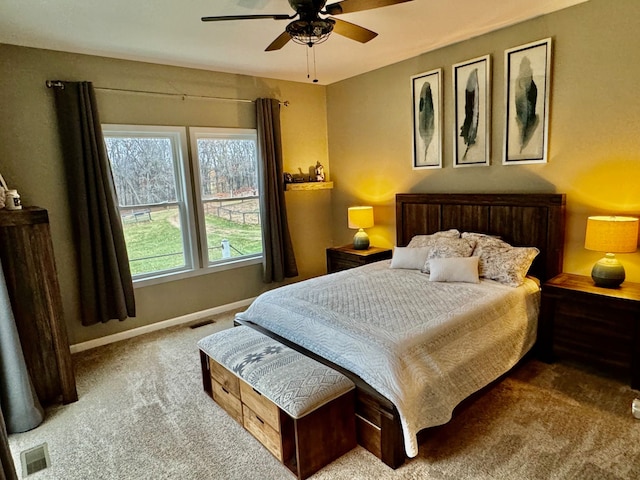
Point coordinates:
[(595, 326), (345, 257)]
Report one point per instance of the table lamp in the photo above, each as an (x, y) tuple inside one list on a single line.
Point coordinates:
[(611, 235), (360, 218)]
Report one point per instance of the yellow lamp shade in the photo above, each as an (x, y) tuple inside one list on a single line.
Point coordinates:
[(612, 234), (360, 217)]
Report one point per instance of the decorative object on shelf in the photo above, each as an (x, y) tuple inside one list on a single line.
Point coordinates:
[(12, 200), (301, 176), (611, 235), (360, 218), (472, 96), (427, 119), (528, 83), (319, 172), (288, 178), (9, 198)]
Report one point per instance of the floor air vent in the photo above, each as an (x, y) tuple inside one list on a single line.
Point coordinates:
[(34, 459)]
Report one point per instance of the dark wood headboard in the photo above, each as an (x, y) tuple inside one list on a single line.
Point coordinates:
[(532, 220)]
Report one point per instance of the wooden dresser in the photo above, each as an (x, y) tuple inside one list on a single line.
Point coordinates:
[(32, 282)]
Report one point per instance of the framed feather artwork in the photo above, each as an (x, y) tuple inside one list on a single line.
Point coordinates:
[(527, 87), (472, 109), (426, 89)]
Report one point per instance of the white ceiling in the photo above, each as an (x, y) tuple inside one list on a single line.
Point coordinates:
[(171, 32)]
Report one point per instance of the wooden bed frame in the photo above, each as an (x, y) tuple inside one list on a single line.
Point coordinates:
[(520, 219)]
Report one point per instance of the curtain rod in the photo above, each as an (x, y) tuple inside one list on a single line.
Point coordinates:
[(60, 84)]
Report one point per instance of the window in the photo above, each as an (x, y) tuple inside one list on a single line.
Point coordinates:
[(171, 227), (226, 167)]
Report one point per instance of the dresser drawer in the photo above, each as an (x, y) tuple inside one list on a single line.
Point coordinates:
[(224, 377), (227, 400), (265, 434), (262, 406), (599, 335)]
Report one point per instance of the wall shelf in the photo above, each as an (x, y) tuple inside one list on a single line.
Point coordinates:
[(309, 186)]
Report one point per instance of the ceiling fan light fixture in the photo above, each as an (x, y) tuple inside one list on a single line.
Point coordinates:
[(310, 32)]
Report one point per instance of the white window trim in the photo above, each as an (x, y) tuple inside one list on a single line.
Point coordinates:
[(189, 202), (203, 132)]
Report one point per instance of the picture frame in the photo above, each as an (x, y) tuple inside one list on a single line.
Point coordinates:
[(426, 92), (527, 91), (472, 112)]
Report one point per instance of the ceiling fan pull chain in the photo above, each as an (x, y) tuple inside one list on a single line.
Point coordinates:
[(315, 72)]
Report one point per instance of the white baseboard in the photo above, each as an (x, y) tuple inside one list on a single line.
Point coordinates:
[(134, 332)]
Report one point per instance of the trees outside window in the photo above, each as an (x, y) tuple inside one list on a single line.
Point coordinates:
[(170, 226)]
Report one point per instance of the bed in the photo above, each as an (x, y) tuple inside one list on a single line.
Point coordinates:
[(368, 323)]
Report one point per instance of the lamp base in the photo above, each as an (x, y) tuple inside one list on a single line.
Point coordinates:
[(608, 272), (361, 240)]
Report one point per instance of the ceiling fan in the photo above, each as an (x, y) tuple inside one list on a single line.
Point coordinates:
[(311, 28)]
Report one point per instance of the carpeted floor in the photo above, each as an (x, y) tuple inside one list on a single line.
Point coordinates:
[(142, 414)]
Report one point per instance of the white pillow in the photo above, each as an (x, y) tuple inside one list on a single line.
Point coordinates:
[(454, 269), (409, 257)]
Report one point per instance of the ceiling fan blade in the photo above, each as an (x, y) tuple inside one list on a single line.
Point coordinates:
[(279, 42), (353, 31), (349, 6), (246, 17)]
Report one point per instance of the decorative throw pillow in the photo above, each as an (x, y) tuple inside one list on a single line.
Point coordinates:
[(505, 264), (426, 240), (455, 269), (484, 239), (449, 247), (411, 258)]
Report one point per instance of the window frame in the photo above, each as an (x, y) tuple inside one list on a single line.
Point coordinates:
[(189, 203), (196, 133)]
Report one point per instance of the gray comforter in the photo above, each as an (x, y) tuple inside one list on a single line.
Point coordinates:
[(423, 345)]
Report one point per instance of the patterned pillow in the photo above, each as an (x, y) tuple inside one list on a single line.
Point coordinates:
[(447, 248), (426, 240), (504, 263), (484, 239)]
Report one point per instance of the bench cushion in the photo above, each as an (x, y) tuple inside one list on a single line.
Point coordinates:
[(294, 382)]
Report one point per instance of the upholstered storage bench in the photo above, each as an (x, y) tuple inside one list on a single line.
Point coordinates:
[(301, 410)]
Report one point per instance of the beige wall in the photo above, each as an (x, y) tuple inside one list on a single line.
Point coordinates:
[(594, 142), (594, 147), (31, 161)]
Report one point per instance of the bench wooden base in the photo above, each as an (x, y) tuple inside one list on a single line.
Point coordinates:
[(304, 445)]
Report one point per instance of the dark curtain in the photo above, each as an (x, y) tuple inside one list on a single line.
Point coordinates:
[(106, 289), (279, 261)]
